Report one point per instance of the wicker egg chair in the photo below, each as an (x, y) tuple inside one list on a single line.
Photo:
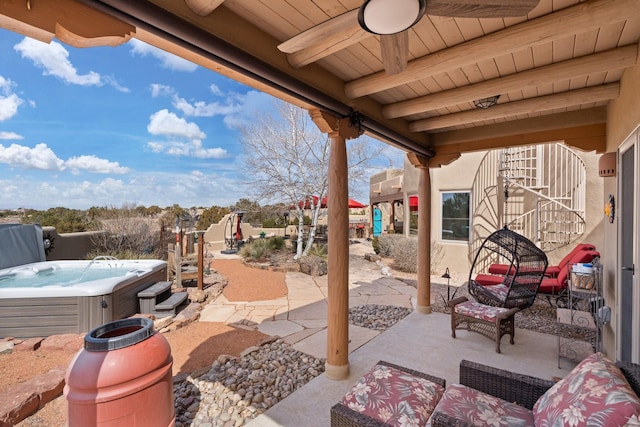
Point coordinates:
[(519, 286)]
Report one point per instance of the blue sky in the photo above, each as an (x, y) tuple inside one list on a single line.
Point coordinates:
[(131, 124)]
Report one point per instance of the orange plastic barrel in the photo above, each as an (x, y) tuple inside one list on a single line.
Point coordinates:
[(122, 377)]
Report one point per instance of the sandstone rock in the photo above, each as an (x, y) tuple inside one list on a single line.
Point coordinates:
[(372, 257), (313, 265), (48, 386), (16, 405), (197, 295), (67, 342), (6, 347), (163, 322), (30, 344)]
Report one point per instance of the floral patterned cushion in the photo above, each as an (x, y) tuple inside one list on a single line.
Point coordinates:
[(479, 311), (481, 409), (394, 397), (595, 393)]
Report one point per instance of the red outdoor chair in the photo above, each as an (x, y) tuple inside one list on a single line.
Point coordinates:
[(552, 270), (556, 285)]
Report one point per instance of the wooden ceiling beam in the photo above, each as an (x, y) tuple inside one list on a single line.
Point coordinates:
[(613, 59), (203, 7), (584, 129), (588, 138), (547, 28), (342, 31), (567, 99), (70, 22)]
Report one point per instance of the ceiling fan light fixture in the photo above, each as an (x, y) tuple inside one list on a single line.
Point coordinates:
[(390, 16), (485, 103)]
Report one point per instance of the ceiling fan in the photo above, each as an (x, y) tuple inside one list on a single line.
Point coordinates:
[(391, 19)]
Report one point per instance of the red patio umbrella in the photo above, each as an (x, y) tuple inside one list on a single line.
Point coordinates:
[(307, 204), (352, 204)]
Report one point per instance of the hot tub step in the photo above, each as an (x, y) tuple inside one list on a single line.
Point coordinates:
[(155, 290), (168, 306)]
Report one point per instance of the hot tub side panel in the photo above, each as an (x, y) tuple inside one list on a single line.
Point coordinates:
[(125, 299), (42, 317), (37, 317)]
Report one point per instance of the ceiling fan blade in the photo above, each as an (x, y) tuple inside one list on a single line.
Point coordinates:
[(480, 8), (203, 7), (337, 28), (395, 51)]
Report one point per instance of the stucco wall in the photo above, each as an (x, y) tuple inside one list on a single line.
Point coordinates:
[(623, 117), (457, 176), (69, 245)]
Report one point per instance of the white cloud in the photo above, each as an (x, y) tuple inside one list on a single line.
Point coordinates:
[(183, 138), (194, 188), (39, 157), (215, 90), (158, 90), (10, 135), (167, 60), (203, 109), (192, 148), (53, 58), (168, 124), (95, 165), (9, 101)]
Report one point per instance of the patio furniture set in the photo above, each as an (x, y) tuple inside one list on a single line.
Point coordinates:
[(597, 392)]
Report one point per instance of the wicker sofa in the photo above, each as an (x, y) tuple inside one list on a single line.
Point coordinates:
[(594, 393)]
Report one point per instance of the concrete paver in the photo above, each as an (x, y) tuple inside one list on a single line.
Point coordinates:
[(301, 316), (281, 328)]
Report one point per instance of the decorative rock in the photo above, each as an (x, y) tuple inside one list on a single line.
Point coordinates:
[(6, 347), (30, 344), (68, 342), (313, 265), (377, 317), (257, 385)]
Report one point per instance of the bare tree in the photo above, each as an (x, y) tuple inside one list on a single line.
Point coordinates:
[(126, 234), (287, 159)]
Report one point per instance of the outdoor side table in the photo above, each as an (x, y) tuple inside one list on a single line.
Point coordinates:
[(391, 384)]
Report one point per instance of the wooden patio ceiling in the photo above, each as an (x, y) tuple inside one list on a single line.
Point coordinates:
[(555, 69)]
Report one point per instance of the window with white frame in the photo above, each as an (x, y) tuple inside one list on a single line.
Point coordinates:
[(456, 215)]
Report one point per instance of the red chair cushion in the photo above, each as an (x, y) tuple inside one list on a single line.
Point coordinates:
[(489, 279)]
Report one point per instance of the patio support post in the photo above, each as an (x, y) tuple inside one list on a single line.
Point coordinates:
[(339, 130), (423, 304)]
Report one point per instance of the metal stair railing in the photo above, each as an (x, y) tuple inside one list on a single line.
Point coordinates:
[(555, 176)]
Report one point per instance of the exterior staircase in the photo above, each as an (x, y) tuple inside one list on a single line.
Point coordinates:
[(538, 191), (546, 188)]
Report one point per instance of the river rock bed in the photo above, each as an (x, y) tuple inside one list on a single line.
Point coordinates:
[(377, 317), (237, 389)]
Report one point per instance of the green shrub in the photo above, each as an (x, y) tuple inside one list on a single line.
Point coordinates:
[(320, 250), (375, 243), (276, 242), (261, 249)]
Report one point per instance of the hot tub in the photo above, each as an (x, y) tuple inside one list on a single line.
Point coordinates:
[(58, 297)]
